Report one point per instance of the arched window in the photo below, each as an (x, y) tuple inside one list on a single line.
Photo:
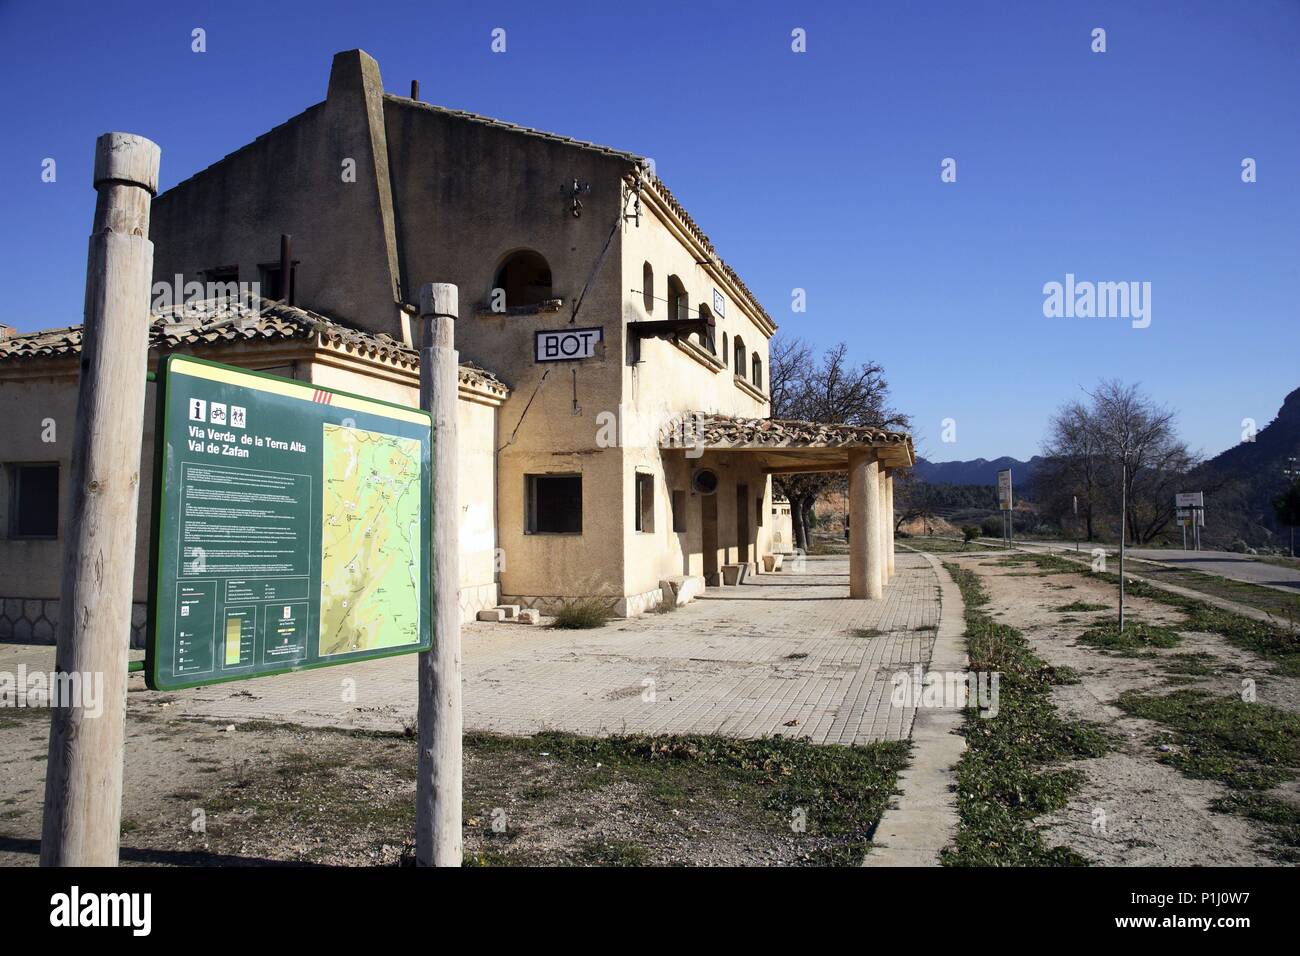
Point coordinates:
[(526, 279), (724, 349), (706, 335), (648, 287), (679, 304), (739, 355), (756, 371)]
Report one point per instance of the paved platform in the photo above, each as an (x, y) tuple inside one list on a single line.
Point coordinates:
[(781, 654)]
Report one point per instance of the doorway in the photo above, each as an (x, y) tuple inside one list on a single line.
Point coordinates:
[(742, 523), (709, 535)]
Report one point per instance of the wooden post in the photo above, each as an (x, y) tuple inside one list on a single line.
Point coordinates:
[(438, 787), (83, 776)]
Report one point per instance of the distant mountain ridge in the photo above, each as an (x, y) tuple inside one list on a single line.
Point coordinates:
[(978, 471)]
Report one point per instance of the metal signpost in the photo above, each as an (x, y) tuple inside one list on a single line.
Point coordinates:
[(1004, 503), (292, 527), (1190, 511)]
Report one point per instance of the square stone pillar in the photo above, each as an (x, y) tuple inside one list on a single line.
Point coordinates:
[(865, 556), (889, 514)]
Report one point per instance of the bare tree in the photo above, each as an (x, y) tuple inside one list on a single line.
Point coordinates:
[(829, 390)]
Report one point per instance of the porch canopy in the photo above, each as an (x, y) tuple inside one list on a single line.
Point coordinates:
[(869, 455)]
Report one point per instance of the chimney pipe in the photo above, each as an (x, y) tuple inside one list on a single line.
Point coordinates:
[(286, 268), (415, 89)]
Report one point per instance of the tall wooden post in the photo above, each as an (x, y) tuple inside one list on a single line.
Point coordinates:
[(438, 787), (83, 776)]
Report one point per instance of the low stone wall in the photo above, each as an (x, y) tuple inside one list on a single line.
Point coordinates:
[(36, 621), (549, 604)]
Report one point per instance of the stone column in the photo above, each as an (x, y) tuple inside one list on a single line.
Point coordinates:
[(889, 516), (882, 527), (864, 525)]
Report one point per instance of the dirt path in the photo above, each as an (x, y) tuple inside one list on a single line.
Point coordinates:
[(1132, 810)]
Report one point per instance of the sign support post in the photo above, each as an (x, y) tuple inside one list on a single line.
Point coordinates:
[(438, 839), (83, 778)]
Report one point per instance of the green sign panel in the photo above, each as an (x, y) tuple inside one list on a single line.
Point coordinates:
[(291, 527)]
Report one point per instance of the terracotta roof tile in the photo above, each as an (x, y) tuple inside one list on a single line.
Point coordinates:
[(220, 321), (722, 431)]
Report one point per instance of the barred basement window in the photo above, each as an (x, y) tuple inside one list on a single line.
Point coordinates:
[(554, 504), (679, 512), (645, 502), (33, 500)]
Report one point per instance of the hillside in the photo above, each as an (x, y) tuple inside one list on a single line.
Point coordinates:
[(1240, 482)]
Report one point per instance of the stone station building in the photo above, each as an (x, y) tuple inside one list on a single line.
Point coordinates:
[(613, 394)]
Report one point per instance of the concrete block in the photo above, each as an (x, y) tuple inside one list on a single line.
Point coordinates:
[(493, 614), (682, 588), (508, 611), (529, 615)]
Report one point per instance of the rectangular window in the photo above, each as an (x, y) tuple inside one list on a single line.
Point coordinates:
[(645, 502), (33, 501), (554, 504), (679, 512), (272, 287)]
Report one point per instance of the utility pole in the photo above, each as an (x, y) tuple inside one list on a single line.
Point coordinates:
[(1123, 534), (438, 839), (83, 776)]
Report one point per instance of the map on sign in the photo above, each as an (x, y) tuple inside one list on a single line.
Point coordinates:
[(291, 527), (370, 541)]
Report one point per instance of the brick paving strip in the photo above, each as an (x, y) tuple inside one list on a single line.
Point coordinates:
[(784, 654), (922, 820)]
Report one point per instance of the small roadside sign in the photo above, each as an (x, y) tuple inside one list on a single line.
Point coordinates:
[(1004, 489)]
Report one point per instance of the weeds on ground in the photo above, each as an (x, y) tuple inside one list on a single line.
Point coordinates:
[(1007, 776), (1246, 746), (1137, 637), (582, 613)]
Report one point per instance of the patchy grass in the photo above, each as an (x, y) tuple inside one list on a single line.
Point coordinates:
[(554, 799), (1279, 644), (1199, 664), (1281, 821), (1046, 564), (1010, 772), (1280, 604), (1081, 606), (1247, 746), (1137, 637), (582, 614), (944, 545)]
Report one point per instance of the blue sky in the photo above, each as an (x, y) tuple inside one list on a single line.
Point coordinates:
[(818, 170)]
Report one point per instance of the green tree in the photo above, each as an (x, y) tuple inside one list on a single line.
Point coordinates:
[(1287, 508)]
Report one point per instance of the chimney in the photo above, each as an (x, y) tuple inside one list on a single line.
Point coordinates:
[(415, 89)]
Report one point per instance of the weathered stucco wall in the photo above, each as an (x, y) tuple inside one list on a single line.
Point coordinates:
[(30, 569), (291, 180)]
